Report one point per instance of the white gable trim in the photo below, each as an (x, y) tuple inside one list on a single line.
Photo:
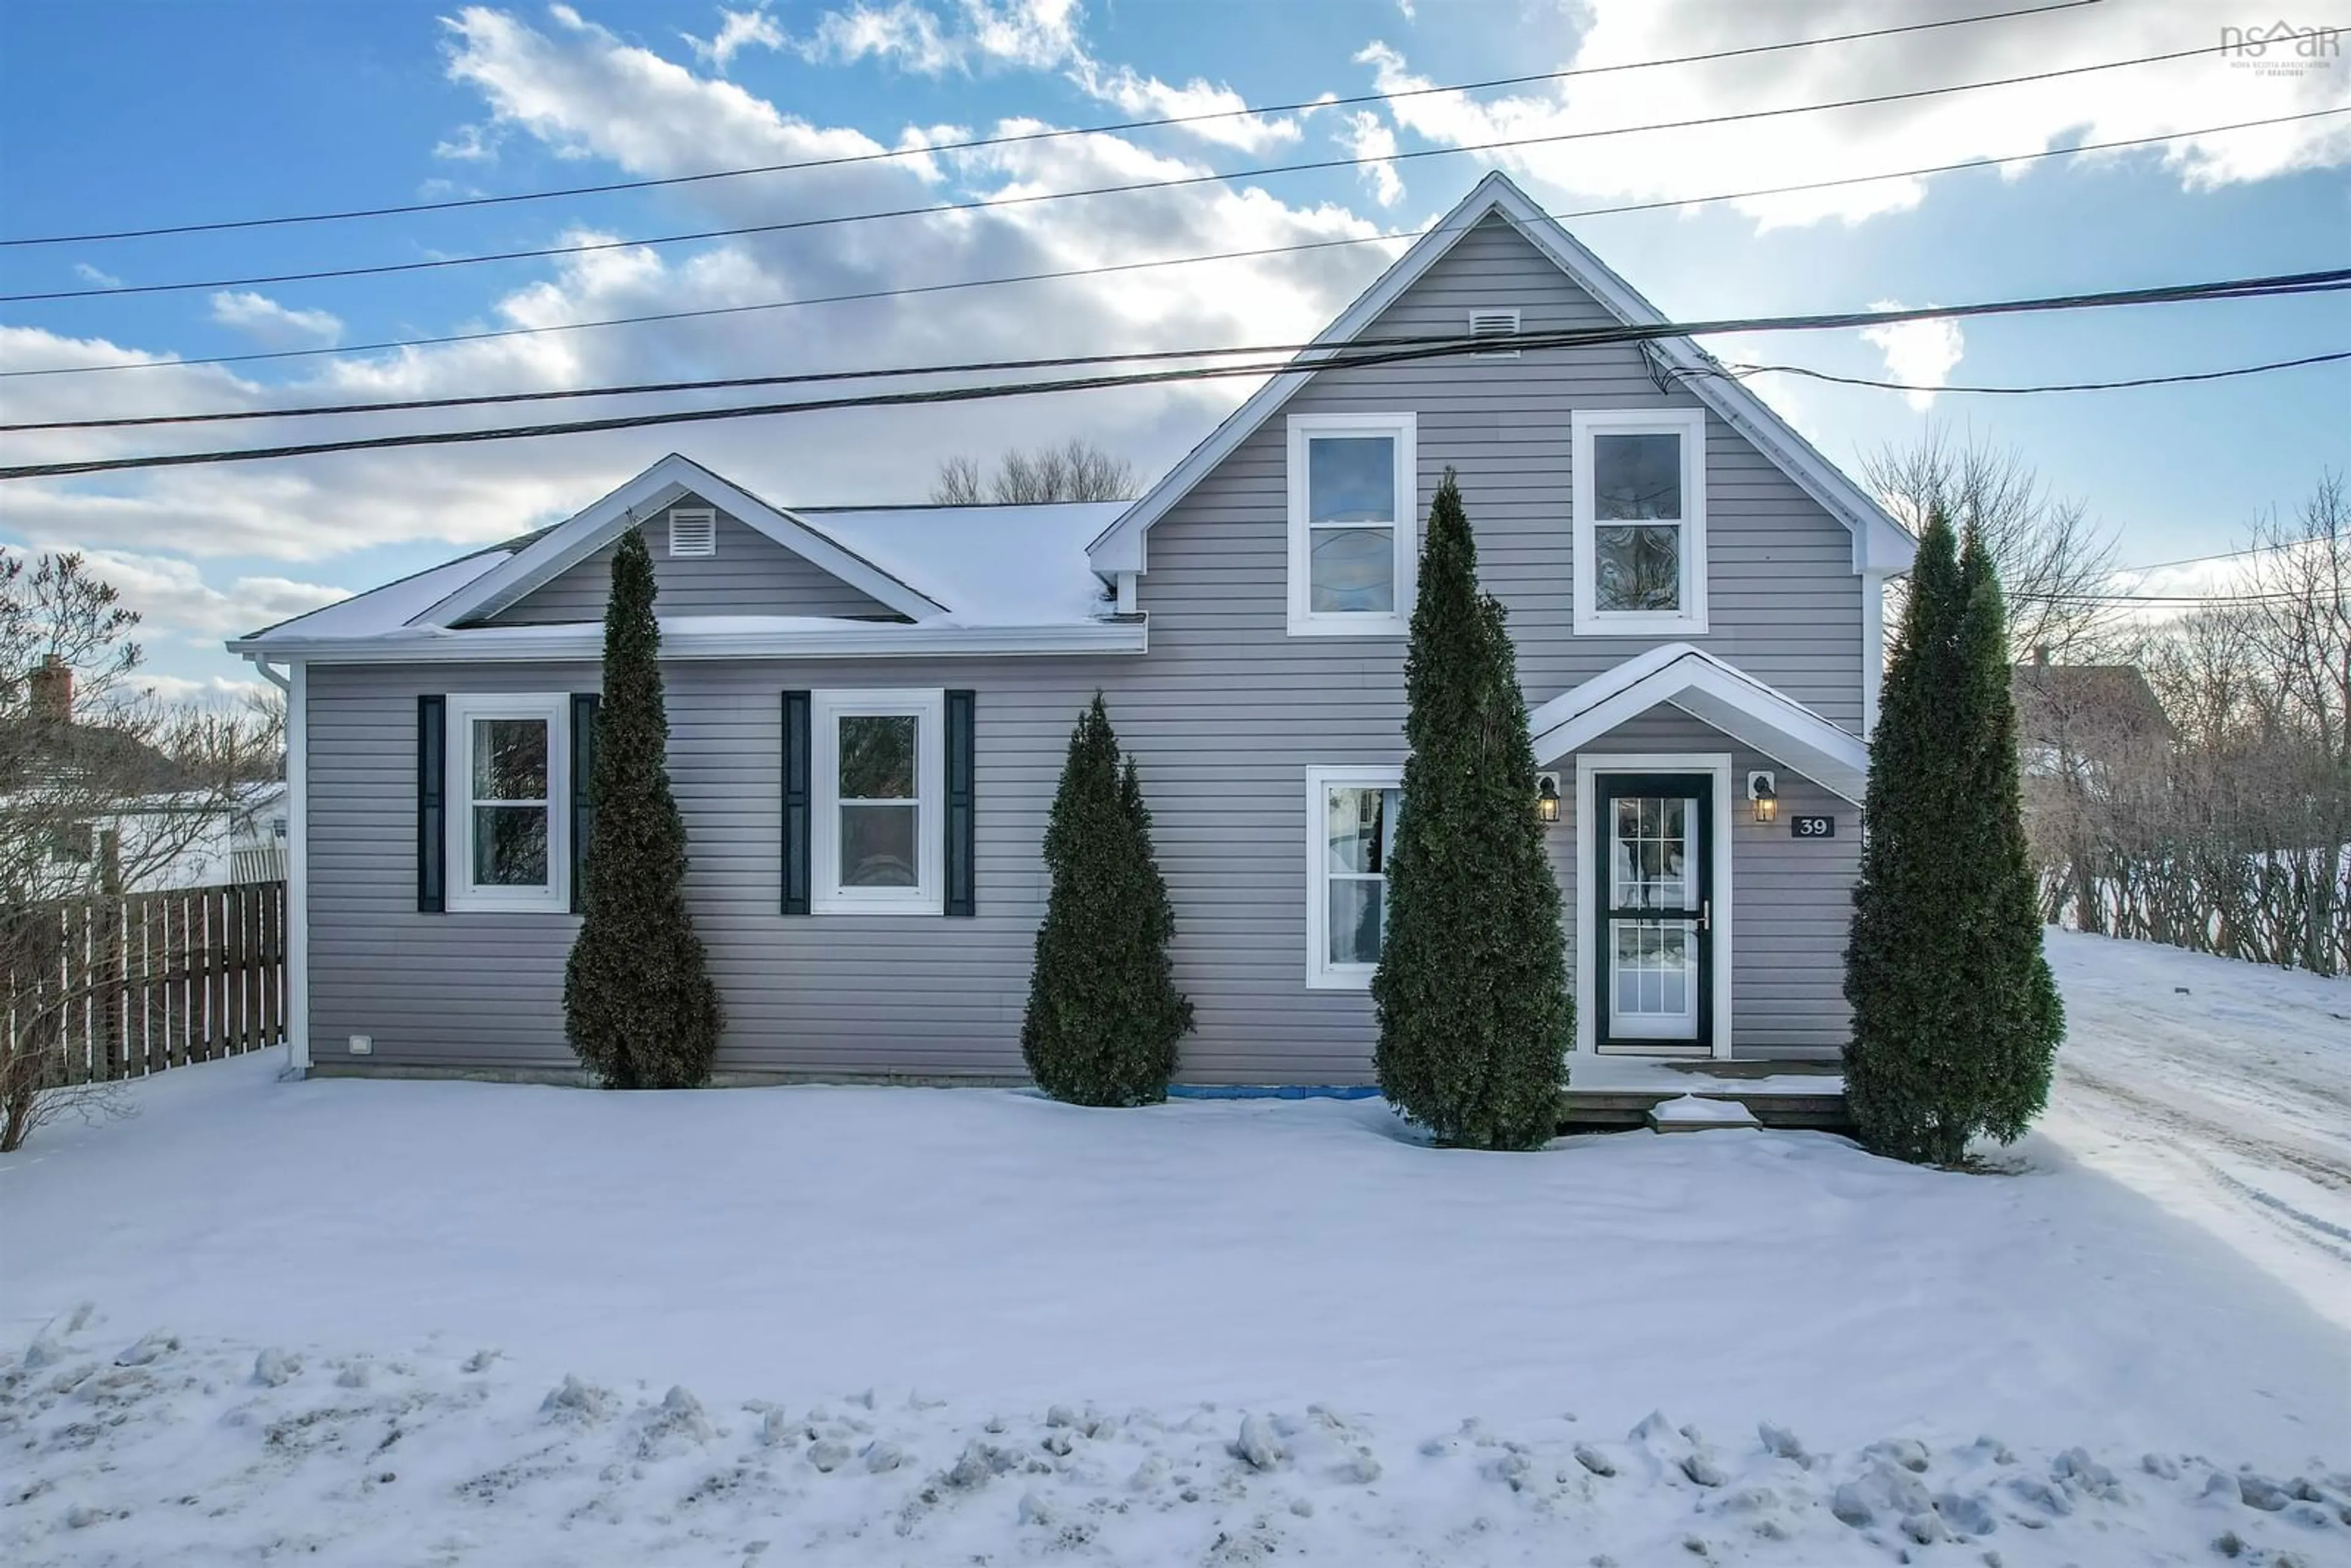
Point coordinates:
[(1879, 544), (597, 525), (1715, 692)]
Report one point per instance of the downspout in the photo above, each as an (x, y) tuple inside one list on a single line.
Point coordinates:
[(295, 684), (1873, 648)]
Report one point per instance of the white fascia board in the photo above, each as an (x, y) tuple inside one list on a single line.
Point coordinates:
[(506, 644), (597, 525), (1879, 544), (1717, 694)]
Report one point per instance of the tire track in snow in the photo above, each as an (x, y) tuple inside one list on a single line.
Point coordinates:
[(2187, 1131)]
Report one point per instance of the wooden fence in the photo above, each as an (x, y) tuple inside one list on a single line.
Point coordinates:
[(124, 986)]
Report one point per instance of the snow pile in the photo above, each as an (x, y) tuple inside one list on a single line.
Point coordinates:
[(188, 1451)]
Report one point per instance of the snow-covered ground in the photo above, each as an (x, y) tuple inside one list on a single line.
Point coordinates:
[(2220, 1089), (412, 1322)]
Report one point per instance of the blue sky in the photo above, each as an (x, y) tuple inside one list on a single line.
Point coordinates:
[(261, 108)]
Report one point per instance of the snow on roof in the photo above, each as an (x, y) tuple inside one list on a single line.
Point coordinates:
[(385, 608), (990, 566)]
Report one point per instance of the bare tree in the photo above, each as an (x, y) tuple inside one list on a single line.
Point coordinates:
[(2052, 558), (2235, 836), (102, 785), (1076, 470)]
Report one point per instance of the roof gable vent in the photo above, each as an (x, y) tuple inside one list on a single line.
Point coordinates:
[(1495, 324), (692, 530)]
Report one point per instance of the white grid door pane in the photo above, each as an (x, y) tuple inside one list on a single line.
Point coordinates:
[(1654, 863), (1653, 979)]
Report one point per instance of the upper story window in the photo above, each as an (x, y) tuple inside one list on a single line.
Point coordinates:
[(1352, 501), (1351, 823), (879, 817), (1640, 521), (508, 836)]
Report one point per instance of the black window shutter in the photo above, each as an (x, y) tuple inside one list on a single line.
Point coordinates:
[(432, 814), (962, 894), (584, 707), (796, 803)]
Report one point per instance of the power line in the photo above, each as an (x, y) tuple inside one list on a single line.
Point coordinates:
[(1064, 274), (2200, 559), (1742, 371), (976, 144), (989, 203), (1336, 357), (1564, 337)]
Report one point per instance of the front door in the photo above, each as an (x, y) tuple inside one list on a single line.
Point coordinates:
[(1655, 882)]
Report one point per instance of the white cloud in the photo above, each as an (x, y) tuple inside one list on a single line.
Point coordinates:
[(1405, 7), (737, 31), (1035, 34), (469, 144), (1366, 135), (276, 326), (172, 598), (89, 273), (1923, 353), (577, 87), (2127, 102)]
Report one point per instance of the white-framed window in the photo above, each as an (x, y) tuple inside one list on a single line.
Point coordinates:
[(1354, 502), (877, 837), (1351, 823), (692, 530), (1640, 521), (509, 794)]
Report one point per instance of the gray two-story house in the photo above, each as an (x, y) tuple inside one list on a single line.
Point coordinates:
[(870, 708)]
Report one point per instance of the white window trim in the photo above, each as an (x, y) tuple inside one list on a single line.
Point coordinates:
[(1304, 622), (1689, 423), (1320, 974), (461, 893), (1589, 766), (826, 710)]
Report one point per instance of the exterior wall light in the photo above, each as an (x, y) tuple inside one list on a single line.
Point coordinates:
[(1763, 794), (1547, 798)]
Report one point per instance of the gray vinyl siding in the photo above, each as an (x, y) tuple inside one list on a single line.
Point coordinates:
[(1791, 899), (750, 575), (1225, 713)]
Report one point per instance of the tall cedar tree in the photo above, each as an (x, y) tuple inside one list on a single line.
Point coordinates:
[(1476, 1014), (1956, 1018), (639, 1007), (1104, 1015)]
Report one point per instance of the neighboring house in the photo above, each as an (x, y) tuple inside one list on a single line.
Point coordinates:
[(869, 710), (2092, 740), (116, 812)]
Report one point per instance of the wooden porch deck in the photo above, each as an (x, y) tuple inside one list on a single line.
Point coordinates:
[(1614, 1092)]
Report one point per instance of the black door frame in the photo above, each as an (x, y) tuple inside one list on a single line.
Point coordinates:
[(1606, 789)]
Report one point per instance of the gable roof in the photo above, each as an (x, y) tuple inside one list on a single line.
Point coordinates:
[(985, 578), (1880, 545), (600, 522), (1709, 689)]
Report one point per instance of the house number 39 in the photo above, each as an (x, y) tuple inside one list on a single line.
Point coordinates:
[(1813, 827)]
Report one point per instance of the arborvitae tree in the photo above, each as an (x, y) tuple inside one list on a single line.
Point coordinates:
[(639, 1006), (2018, 1013), (1476, 1014), (1956, 1018), (1104, 1015)]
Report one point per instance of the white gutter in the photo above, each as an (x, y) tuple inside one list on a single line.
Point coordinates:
[(500, 644)]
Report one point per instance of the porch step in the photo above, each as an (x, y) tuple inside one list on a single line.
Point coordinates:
[(1698, 1113)]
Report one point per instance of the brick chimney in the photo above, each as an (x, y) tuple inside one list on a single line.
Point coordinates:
[(50, 688)]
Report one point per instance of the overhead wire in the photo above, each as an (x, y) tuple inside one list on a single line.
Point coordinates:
[(865, 295), (1035, 198), (970, 144), (1333, 356)]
